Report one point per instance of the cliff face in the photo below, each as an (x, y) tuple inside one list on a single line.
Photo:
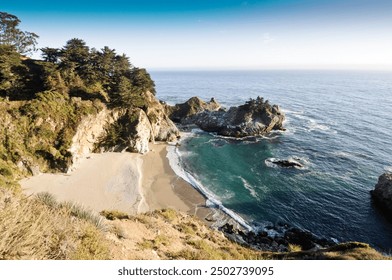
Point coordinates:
[(129, 129), (163, 129), (88, 132)]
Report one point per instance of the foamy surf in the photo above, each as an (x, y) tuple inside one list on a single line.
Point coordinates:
[(174, 157)]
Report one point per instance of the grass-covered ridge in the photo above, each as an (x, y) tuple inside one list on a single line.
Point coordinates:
[(167, 234)]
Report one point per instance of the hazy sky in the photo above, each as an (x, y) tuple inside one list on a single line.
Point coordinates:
[(221, 34)]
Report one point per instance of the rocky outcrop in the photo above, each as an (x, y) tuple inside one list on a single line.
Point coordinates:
[(287, 163), (255, 118), (192, 107), (129, 129), (163, 129), (277, 242), (89, 131), (382, 193), (136, 132)]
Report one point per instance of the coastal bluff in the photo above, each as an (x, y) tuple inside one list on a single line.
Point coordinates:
[(382, 193), (254, 118), (125, 129)]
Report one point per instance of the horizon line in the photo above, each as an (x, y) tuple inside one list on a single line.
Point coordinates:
[(386, 68)]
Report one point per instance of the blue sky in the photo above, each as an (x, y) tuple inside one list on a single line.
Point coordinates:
[(225, 34)]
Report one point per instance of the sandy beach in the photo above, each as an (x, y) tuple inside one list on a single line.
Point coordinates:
[(127, 182)]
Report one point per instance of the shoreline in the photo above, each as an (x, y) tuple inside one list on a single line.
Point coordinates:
[(126, 182), (163, 188)]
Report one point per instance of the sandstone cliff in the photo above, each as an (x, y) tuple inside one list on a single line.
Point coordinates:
[(123, 129), (88, 132)]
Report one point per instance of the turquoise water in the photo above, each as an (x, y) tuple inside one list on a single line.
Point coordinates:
[(338, 125)]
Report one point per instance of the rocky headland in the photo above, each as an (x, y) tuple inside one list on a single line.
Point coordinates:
[(254, 118), (382, 194)]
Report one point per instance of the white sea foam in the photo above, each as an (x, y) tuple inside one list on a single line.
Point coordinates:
[(269, 162), (388, 168), (174, 156), (249, 188), (291, 112), (342, 154), (312, 124)]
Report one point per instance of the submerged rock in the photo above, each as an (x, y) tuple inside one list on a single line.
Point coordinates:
[(255, 118), (287, 163), (382, 193)]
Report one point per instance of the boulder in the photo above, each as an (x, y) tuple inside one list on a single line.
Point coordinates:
[(382, 193)]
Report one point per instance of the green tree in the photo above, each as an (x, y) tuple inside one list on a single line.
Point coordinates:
[(23, 41), (51, 54), (74, 54), (142, 80), (12, 71)]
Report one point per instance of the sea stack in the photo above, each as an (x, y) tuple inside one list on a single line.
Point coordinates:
[(382, 193), (254, 118)]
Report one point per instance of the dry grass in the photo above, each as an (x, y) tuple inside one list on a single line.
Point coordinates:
[(294, 248), (33, 229), (41, 228), (167, 234), (343, 251), (114, 215)]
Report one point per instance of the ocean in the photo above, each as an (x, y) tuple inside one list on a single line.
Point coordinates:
[(338, 125)]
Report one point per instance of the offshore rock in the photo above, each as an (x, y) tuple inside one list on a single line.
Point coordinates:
[(287, 163), (255, 118), (382, 193), (180, 112)]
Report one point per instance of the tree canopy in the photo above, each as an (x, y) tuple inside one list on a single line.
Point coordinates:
[(24, 42), (75, 70)]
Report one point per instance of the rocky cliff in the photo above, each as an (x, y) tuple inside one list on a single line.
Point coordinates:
[(123, 129), (256, 117), (382, 193), (162, 127), (88, 132)]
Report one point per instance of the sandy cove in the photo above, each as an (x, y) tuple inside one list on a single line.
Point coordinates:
[(127, 182)]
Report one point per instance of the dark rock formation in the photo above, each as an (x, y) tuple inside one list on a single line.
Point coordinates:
[(279, 242), (179, 112), (382, 193), (255, 118), (287, 163)]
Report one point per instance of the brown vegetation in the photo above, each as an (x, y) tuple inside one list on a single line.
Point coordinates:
[(40, 228)]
